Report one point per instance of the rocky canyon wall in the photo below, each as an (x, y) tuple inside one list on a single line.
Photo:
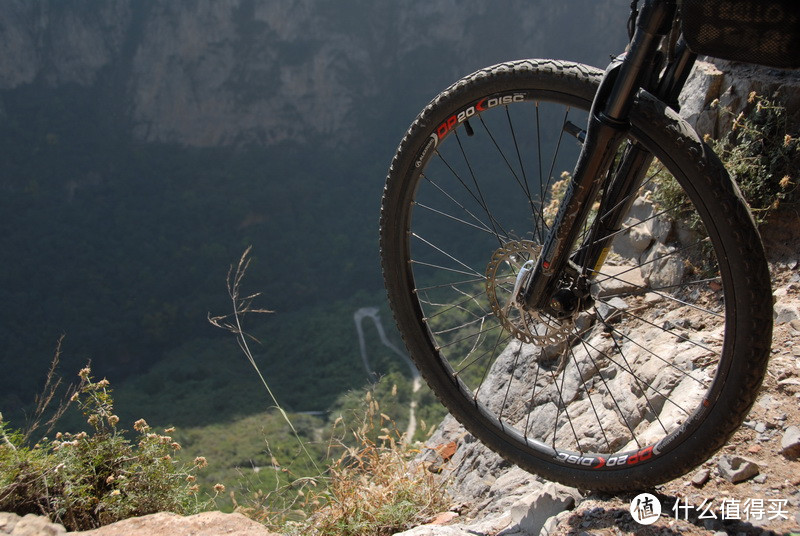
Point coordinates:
[(210, 73)]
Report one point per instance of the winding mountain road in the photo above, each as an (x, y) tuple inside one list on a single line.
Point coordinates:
[(373, 314)]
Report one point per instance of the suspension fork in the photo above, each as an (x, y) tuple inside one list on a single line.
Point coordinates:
[(608, 124), (630, 173)]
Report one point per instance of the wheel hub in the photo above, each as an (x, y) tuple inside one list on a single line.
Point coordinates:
[(508, 270)]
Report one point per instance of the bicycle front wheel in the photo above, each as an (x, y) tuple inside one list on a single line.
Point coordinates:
[(661, 370)]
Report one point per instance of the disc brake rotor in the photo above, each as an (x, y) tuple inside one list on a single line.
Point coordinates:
[(501, 277)]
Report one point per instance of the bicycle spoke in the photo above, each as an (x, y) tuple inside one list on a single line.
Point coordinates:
[(446, 254), (453, 284), (447, 307), (480, 224), (650, 387), (611, 396), (502, 338), (470, 336), (443, 268), (589, 397), (643, 386)]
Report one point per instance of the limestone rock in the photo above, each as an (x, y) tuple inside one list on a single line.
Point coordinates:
[(168, 524), (700, 477), (633, 241), (643, 227), (784, 313), (29, 525), (704, 86), (736, 469), (7, 522), (611, 309), (790, 443), (531, 513), (731, 84), (660, 268), (619, 280)]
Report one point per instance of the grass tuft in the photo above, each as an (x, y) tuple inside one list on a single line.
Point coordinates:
[(370, 485)]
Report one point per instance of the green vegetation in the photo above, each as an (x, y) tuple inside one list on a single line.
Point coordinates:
[(374, 488), (255, 455), (366, 482), (86, 480), (268, 474), (762, 154), (295, 472), (354, 475), (370, 485)]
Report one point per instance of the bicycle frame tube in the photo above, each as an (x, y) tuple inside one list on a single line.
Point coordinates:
[(608, 123)]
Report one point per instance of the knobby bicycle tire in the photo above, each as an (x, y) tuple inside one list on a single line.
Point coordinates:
[(662, 369)]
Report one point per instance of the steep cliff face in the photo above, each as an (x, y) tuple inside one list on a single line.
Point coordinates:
[(207, 73), (58, 44)]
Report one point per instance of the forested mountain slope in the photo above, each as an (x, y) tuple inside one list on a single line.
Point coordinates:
[(145, 145)]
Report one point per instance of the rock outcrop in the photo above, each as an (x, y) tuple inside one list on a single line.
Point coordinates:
[(730, 84), (161, 524), (759, 466), (166, 524), (29, 525)]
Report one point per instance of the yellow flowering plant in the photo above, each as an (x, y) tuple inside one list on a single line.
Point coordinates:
[(762, 152), (88, 479)]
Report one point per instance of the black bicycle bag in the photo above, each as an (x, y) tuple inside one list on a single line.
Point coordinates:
[(765, 32)]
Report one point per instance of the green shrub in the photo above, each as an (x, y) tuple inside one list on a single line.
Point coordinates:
[(86, 480), (762, 154)]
